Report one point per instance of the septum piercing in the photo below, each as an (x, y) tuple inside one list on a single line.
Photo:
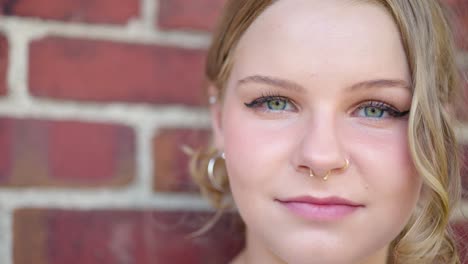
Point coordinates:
[(325, 178)]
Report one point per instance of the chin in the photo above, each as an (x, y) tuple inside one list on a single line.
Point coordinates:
[(334, 257), (319, 253)]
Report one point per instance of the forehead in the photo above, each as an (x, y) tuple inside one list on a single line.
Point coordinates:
[(327, 37)]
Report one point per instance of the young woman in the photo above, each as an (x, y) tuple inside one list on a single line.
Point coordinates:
[(333, 132)]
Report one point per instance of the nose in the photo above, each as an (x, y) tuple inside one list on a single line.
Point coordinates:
[(319, 151)]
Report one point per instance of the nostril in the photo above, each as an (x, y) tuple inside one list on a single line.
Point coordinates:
[(303, 169)]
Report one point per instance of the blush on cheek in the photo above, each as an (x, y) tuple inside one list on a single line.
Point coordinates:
[(382, 156)]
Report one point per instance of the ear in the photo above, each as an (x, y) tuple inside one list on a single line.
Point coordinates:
[(216, 117)]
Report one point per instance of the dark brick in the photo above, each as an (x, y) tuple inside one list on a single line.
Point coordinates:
[(44, 236)]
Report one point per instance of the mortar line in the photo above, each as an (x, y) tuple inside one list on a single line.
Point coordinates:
[(17, 66), (144, 181), (118, 113), (462, 59), (461, 213), (6, 235), (100, 199), (149, 11), (133, 33), (462, 133)]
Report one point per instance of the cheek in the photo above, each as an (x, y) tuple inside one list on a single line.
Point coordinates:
[(249, 146), (255, 149), (385, 164)]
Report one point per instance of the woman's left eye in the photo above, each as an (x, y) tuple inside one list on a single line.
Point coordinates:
[(379, 110), (372, 111)]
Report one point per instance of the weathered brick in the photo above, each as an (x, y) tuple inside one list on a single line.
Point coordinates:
[(459, 17), (44, 236), (171, 172), (461, 235), (89, 11), (195, 14), (65, 153), (464, 170), (3, 63), (461, 104), (6, 137), (89, 151), (105, 71)]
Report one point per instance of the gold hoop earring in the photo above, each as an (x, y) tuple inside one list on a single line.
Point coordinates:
[(210, 171)]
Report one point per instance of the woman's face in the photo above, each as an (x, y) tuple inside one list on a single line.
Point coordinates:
[(315, 83)]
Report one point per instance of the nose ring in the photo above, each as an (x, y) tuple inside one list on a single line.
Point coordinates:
[(325, 178)]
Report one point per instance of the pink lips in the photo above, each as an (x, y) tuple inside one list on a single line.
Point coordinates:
[(320, 209)]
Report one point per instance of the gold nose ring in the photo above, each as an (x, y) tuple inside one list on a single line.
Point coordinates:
[(345, 166), (325, 178)]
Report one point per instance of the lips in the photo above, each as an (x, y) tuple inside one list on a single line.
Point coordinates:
[(320, 201), (320, 209)]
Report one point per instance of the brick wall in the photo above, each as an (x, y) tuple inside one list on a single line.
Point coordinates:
[(96, 98)]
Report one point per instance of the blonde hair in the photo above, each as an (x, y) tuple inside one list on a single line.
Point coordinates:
[(427, 40)]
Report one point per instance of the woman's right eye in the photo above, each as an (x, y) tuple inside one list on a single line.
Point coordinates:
[(271, 104)]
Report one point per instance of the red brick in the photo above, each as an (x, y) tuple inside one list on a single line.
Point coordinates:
[(459, 11), (104, 71), (195, 14), (461, 104), (171, 172), (43, 236), (89, 11), (464, 169), (65, 153), (89, 151), (6, 137), (3, 64), (461, 234)]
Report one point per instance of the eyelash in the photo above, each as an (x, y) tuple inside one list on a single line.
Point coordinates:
[(390, 110), (265, 98)]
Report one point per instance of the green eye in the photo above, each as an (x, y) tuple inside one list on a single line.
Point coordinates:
[(272, 103), (277, 104), (371, 111)]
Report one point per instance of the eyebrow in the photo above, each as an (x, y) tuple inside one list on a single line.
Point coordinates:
[(268, 80), (290, 85), (380, 83)]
